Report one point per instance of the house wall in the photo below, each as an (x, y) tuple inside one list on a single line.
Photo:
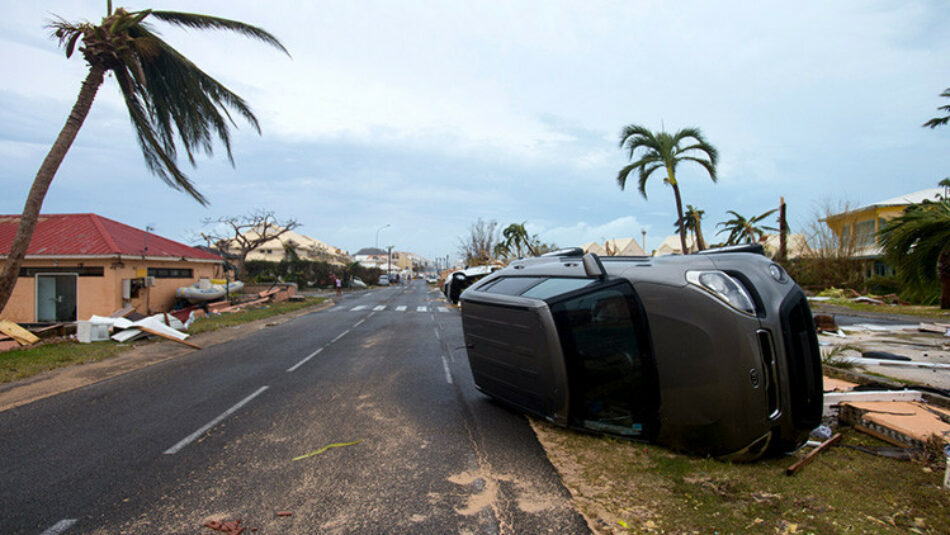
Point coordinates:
[(102, 295), (844, 225)]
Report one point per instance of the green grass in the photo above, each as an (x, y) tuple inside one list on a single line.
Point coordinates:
[(23, 363), (909, 310), (213, 322), (637, 488)]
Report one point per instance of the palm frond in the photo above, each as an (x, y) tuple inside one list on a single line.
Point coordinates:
[(206, 22)]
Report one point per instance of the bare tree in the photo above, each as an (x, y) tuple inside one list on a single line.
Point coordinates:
[(477, 247), (239, 235)]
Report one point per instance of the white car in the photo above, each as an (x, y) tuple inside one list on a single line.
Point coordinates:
[(383, 280)]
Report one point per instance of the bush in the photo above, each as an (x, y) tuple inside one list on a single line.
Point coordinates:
[(308, 273)]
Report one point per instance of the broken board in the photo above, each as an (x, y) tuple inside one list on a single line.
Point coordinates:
[(904, 422), (21, 335)]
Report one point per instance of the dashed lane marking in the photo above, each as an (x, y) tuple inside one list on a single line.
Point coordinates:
[(60, 526), (194, 436), (445, 366), (305, 359)]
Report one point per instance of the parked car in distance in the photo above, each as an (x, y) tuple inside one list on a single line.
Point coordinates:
[(355, 282), (383, 280), (432, 280), (713, 353)]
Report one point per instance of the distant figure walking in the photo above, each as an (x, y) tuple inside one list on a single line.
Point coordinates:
[(339, 286)]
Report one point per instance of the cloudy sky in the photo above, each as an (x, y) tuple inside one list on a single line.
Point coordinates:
[(430, 115)]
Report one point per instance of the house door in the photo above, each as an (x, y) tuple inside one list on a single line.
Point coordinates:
[(56, 297)]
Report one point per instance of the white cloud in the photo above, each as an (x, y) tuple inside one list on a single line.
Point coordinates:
[(583, 232)]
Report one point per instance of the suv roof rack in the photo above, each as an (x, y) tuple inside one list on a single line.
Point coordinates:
[(755, 248), (568, 251)]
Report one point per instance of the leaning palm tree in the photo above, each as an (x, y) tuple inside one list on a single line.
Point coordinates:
[(692, 219), (918, 243), (164, 92), (665, 151), (742, 230)]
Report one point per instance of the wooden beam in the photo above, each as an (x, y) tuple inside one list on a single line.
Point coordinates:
[(790, 471)]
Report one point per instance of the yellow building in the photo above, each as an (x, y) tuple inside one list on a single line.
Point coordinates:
[(857, 229)]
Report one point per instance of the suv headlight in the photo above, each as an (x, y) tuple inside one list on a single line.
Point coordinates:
[(724, 287)]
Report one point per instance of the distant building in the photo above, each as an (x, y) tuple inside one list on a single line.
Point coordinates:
[(78, 265), (403, 263), (858, 228), (672, 245), (615, 247), (305, 247)]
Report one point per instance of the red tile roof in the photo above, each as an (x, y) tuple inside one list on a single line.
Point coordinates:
[(92, 235)]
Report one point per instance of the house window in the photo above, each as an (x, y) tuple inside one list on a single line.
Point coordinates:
[(170, 273), (864, 233)]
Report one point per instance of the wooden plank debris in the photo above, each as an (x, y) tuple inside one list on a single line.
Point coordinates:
[(791, 470), (21, 335), (906, 423)]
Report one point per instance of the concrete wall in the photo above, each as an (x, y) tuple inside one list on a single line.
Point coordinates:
[(102, 295)]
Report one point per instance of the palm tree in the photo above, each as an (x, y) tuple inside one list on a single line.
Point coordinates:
[(164, 93), (918, 243), (742, 230), (692, 219), (664, 151), (938, 121)]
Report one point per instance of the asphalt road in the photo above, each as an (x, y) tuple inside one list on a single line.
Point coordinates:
[(213, 435)]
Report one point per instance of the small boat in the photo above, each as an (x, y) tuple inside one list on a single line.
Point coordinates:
[(205, 290)]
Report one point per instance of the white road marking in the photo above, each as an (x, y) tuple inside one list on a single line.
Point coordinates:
[(358, 308), (194, 436), (421, 309), (358, 323), (341, 335), (305, 359), (443, 309), (436, 329), (60, 526), (445, 366), (379, 307), (401, 308)]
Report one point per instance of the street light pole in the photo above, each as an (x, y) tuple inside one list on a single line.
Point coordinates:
[(377, 234)]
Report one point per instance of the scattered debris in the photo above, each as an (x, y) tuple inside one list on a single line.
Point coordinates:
[(19, 334), (825, 323), (230, 527), (936, 328), (902, 423), (791, 470), (901, 454), (325, 448), (284, 513), (883, 355)]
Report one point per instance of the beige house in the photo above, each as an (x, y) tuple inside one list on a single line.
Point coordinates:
[(615, 247), (78, 265), (672, 245), (307, 248)]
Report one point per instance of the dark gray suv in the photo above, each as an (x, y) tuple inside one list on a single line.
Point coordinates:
[(713, 353)]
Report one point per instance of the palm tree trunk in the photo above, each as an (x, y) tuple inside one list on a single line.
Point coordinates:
[(679, 213), (34, 200), (944, 270), (700, 242)]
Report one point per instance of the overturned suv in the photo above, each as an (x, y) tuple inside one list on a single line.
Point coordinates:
[(713, 353)]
